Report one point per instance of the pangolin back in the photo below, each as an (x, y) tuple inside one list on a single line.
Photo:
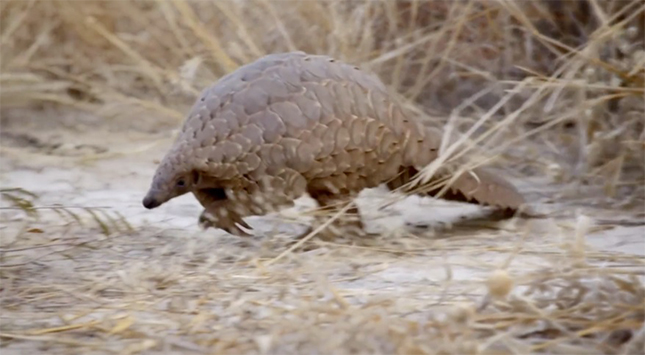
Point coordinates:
[(313, 114)]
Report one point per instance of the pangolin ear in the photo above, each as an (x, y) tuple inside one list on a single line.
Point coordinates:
[(196, 176)]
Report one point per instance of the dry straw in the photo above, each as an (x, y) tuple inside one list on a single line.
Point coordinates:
[(549, 89)]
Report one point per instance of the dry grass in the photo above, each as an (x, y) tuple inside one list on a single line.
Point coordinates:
[(576, 74), (550, 89), (132, 293)]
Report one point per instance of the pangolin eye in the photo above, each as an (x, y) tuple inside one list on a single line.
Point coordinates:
[(181, 183)]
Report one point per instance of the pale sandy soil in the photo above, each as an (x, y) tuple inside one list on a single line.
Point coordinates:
[(168, 287)]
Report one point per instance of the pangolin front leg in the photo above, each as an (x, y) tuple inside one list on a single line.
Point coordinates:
[(270, 194), (225, 209), (226, 216)]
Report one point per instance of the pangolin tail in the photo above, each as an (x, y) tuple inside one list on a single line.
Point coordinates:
[(478, 186)]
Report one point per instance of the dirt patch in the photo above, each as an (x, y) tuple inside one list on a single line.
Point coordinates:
[(165, 286)]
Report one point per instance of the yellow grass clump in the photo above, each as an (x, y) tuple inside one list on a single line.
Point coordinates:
[(573, 69), (553, 89)]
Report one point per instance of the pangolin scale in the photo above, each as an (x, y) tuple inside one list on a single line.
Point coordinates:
[(295, 123)]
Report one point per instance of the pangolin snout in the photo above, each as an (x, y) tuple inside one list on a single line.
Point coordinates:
[(150, 202)]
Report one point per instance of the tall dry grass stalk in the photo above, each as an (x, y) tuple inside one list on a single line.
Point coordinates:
[(566, 77), (554, 87)]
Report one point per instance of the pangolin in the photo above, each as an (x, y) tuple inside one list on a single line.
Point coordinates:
[(295, 123)]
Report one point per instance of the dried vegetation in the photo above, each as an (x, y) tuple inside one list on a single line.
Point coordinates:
[(551, 89)]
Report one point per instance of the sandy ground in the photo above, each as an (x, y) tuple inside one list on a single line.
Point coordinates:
[(164, 285)]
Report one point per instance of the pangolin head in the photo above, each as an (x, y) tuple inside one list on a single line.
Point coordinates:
[(172, 178)]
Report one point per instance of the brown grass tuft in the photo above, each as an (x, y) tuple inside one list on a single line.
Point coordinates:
[(552, 90)]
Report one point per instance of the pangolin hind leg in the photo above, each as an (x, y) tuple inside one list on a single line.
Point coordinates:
[(330, 203)]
